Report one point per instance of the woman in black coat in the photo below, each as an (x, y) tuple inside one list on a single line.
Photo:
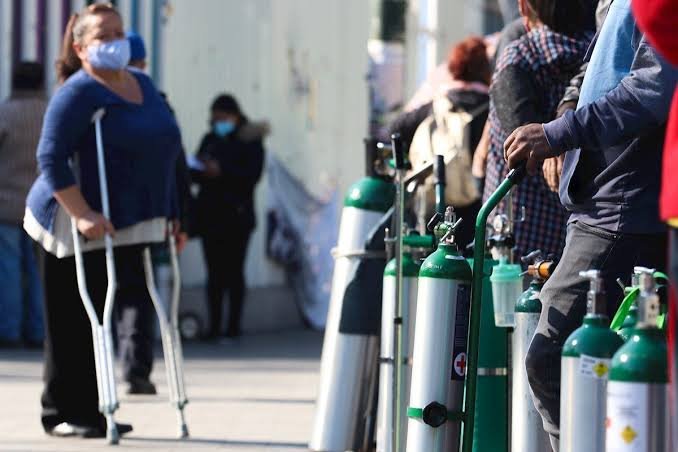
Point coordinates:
[(231, 156)]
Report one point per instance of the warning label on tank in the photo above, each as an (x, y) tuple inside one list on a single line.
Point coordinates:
[(593, 367), (628, 434), (627, 415), (459, 362)]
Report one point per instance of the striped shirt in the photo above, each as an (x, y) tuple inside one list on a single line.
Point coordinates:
[(20, 125), (529, 81)]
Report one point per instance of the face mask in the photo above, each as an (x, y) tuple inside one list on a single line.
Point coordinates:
[(112, 55), (223, 128)]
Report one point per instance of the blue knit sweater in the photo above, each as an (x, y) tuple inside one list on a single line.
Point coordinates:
[(141, 145)]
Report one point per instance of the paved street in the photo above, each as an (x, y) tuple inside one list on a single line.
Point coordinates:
[(253, 395)]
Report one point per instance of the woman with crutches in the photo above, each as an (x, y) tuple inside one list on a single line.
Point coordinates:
[(105, 114)]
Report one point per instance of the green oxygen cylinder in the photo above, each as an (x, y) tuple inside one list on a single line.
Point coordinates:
[(349, 350), (527, 431), (631, 318), (386, 399), (637, 395), (629, 323), (585, 368), (439, 358)]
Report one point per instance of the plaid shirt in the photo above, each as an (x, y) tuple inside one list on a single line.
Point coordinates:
[(550, 60)]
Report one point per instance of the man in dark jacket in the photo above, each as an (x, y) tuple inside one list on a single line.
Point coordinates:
[(610, 185)]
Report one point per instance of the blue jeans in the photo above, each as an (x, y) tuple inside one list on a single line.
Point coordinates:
[(21, 295)]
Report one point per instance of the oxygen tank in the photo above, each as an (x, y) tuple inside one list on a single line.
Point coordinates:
[(631, 318), (629, 324), (505, 285), (637, 394), (440, 340), (346, 357), (527, 431), (585, 368), (385, 410)]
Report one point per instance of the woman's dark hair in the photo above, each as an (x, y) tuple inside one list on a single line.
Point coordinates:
[(468, 61), (77, 27), (565, 16), (227, 103)]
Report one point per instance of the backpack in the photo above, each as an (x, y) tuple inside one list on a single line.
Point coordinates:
[(447, 132)]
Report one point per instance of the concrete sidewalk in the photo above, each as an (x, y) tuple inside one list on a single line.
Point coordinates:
[(256, 394)]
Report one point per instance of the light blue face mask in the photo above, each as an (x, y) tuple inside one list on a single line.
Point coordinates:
[(223, 128), (112, 55)]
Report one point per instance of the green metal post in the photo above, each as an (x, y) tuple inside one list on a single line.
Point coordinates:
[(400, 316), (440, 182), (512, 179)]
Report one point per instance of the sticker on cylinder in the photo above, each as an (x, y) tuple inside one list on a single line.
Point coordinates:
[(460, 332), (627, 416), (460, 364), (592, 367)]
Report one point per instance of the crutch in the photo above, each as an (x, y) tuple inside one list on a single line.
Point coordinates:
[(169, 331), (101, 332)]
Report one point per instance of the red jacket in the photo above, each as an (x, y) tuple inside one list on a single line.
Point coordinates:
[(658, 19)]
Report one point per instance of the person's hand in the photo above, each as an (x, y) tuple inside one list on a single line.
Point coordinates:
[(479, 163), (212, 168), (480, 155), (94, 225), (528, 143), (553, 168), (180, 237)]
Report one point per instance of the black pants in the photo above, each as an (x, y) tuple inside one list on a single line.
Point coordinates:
[(225, 254), (136, 319), (70, 393), (564, 303)]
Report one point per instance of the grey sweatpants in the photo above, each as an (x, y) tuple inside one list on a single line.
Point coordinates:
[(564, 303)]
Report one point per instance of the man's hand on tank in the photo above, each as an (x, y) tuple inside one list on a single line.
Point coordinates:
[(528, 143)]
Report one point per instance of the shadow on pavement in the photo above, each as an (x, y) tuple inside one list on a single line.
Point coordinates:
[(221, 442)]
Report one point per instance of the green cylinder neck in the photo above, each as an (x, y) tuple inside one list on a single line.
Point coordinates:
[(529, 302), (643, 359), (599, 320), (446, 263), (593, 338), (536, 284), (410, 267), (370, 193)]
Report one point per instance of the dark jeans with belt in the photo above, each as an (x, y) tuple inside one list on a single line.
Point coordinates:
[(70, 393), (564, 303)]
